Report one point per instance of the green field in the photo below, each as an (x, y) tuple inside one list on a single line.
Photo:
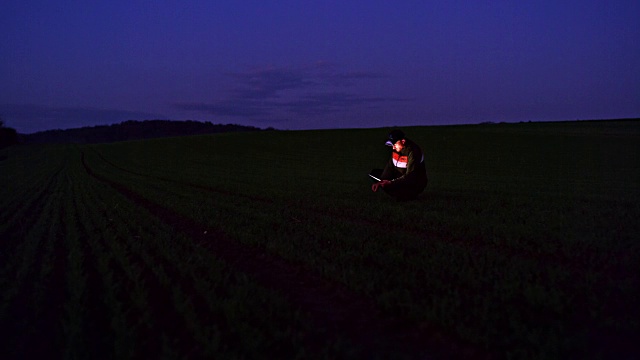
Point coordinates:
[(271, 245)]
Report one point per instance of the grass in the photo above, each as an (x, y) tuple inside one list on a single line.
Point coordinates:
[(524, 244)]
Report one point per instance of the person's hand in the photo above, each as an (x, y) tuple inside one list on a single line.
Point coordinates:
[(382, 183)]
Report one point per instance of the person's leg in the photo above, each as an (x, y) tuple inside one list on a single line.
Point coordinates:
[(403, 194)]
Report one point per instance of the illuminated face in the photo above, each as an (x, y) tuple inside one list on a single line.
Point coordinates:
[(398, 146)]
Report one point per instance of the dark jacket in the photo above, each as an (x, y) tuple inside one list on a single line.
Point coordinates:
[(406, 169)]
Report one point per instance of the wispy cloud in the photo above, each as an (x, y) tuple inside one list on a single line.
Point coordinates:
[(234, 107), (268, 83), (323, 103), (310, 90), (28, 118)]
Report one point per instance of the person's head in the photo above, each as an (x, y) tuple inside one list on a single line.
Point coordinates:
[(396, 140)]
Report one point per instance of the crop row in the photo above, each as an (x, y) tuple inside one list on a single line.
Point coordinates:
[(98, 276)]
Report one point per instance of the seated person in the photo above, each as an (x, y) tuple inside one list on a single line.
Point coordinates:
[(405, 175)]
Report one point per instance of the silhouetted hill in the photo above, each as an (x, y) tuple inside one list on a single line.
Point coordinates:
[(132, 130)]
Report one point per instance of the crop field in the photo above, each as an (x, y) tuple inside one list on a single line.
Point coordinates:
[(270, 244)]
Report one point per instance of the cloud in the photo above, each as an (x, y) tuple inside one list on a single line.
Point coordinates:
[(268, 83), (33, 118), (318, 104), (361, 75), (240, 108), (310, 90)]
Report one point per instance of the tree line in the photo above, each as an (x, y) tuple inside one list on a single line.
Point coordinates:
[(8, 136), (133, 130)]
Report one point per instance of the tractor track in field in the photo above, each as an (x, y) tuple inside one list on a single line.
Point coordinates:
[(574, 265), (333, 307)]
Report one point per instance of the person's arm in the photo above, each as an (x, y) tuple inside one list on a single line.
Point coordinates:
[(379, 184), (387, 175), (413, 160), (388, 172)]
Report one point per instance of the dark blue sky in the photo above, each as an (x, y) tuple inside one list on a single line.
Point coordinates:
[(317, 64)]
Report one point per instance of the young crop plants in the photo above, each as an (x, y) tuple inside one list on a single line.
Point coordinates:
[(249, 245), (94, 275)]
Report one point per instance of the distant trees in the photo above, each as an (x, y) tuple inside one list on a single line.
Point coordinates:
[(132, 130), (8, 136)]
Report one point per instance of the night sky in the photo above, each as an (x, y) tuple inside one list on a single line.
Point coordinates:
[(317, 64)]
